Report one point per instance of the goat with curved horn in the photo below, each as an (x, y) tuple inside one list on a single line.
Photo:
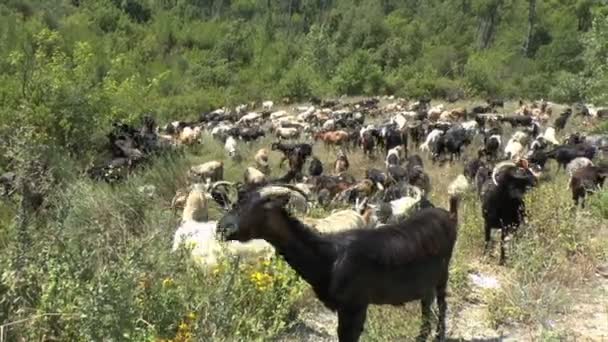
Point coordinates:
[(499, 167)]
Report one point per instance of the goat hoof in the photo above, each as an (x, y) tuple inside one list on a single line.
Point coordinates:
[(439, 338)]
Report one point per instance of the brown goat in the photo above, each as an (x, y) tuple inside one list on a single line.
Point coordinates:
[(341, 164), (585, 181), (348, 271), (332, 137)]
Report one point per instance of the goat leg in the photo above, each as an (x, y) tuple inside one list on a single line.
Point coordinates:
[(503, 236), (350, 323), (425, 326), (488, 237), (443, 306)]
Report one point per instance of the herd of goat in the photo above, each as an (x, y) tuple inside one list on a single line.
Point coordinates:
[(394, 246)]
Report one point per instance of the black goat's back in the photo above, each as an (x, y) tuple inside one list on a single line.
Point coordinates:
[(428, 233)]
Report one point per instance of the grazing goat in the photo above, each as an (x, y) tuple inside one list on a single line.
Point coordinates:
[(585, 181), (202, 239), (560, 122), (431, 139), (349, 270), (212, 170), (343, 220), (576, 164), (261, 160), (393, 157), (459, 186), (287, 133), (316, 167), (332, 137), (267, 105), (189, 136), (341, 164), (254, 176), (397, 209), (566, 153), (471, 167), (230, 147), (503, 202), (492, 146)]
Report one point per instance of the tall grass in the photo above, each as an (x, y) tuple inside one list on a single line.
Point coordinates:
[(100, 262)]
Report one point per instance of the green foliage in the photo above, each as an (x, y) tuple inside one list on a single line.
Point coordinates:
[(358, 74), (71, 68)]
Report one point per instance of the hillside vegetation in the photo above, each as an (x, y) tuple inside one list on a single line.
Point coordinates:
[(69, 67), (94, 261)]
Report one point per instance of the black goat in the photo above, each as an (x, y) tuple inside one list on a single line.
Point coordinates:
[(350, 270), (419, 178), (566, 153), (393, 138), (316, 167), (295, 153), (492, 143), (452, 143), (493, 103), (483, 175), (378, 177), (586, 181), (503, 203), (517, 120), (471, 167), (482, 109), (418, 133), (251, 134), (560, 122), (368, 143)]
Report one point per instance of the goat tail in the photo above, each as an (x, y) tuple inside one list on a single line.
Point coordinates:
[(453, 208)]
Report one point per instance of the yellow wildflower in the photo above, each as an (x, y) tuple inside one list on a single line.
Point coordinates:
[(191, 315), (261, 280), (168, 282), (183, 326)]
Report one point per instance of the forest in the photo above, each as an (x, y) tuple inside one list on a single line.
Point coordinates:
[(93, 261), (71, 67)]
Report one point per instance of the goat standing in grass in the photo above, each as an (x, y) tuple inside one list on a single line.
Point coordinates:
[(393, 264)]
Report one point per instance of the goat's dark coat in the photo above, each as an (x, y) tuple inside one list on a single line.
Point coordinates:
[(503, 204), (587, 180), (348, 271)]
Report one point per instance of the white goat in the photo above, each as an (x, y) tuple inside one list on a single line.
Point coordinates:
[(514, 150), (549, 135), (254, 176), (212, 170), (205, 246), (267, 105), (230, 146), (341, 220), (431, 138), (287, 132), (393, 156), (459, 186), (197, 205), (189, 135), (240, 109), (249, 117)]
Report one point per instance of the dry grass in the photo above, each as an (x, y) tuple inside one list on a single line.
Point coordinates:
[(549, 259)]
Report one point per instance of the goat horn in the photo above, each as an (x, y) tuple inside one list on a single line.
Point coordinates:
[(220, 183), (292, 188), (498, 168)]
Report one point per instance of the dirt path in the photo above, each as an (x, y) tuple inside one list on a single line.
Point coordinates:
[(585, 321)]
